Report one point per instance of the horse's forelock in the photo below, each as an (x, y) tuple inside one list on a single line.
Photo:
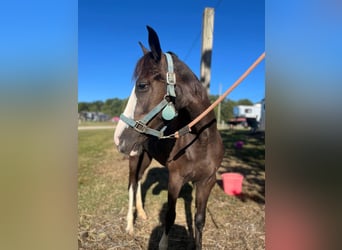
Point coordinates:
[(145, 64), (138, 68)]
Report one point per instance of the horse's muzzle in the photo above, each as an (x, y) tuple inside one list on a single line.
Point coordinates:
[(123, 148), (127, 149)]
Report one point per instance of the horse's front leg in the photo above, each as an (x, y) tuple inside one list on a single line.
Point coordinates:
[(174, 187), (139, 204), (137, 167), (203, 190), (130, 212), (134, 192)]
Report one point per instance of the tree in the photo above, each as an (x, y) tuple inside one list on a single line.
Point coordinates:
[(95, 106), (227, 106), (83, 106), (244, 102), (115, 106)]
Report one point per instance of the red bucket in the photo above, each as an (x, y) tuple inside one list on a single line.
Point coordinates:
[(232, 183)]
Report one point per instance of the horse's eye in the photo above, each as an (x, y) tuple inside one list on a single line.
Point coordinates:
[(142, 86)]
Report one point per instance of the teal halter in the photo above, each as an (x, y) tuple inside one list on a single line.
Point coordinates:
[(167, 108)]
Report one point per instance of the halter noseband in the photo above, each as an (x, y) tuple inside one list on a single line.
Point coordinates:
[(167, 107)]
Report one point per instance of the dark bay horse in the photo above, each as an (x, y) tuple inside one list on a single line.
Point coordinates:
[(166, 97)]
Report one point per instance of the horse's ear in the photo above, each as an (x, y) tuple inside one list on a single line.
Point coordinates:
[(144, 50), (154, 43)]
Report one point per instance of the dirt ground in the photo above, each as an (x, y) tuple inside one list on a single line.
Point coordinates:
[(233, 222)]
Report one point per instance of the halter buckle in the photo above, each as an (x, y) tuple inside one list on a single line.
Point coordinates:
[(171, 78), (140, 126)]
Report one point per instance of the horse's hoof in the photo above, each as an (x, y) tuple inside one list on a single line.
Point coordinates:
[(130, 230), (142, 216)]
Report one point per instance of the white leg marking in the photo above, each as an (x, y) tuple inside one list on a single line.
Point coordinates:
[(128, 112), (163, 242), (139, 205), (129, 228)]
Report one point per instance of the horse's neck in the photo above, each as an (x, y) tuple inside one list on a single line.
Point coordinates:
[(196, 108)]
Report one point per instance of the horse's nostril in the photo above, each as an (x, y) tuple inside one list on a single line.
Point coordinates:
[(120, 148)]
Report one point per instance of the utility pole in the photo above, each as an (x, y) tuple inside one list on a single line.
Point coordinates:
[(207, 47)]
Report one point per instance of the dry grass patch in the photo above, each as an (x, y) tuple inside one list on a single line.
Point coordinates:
[(232, 222)]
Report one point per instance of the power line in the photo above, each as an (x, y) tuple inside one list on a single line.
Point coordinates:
[(192, 46), (217, 4), (199, 35)]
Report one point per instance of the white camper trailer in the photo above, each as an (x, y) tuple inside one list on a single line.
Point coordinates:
[(254, 114), (248, 111)]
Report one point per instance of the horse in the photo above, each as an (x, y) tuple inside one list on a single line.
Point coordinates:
[(166, 96)]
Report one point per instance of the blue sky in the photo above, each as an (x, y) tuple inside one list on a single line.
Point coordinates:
[(109, 31)]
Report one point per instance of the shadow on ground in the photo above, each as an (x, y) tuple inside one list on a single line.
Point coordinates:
[(179, 237), (248, 161)]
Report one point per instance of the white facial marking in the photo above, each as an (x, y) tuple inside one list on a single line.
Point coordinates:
[(128, 112)]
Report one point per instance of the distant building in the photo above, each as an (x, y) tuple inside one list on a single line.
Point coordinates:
[(93, 116)]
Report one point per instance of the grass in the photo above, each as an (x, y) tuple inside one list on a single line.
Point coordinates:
[(232, 222), (95, 187)]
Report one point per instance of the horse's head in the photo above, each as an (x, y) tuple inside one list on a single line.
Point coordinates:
[(150, 104), (164, 88)]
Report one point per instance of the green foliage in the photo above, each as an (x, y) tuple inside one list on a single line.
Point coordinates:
[(115, 106), (111, 107), (227, 106), (83, 106), (244, 102)]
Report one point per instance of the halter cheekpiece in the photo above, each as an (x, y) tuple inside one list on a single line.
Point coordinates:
[(166, 107)]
